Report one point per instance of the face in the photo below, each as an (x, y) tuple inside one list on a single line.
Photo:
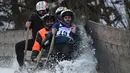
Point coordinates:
[(67, 19), (49, 24), (42, 12)]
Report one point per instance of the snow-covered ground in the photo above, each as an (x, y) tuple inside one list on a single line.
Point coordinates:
[(7, 70)]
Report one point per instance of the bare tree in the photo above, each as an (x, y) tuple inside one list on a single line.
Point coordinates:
[(4, 9), (17, 10), (84, 10), (127, 8)]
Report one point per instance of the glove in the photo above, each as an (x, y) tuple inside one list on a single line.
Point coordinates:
[(34, 55), (48, 36)]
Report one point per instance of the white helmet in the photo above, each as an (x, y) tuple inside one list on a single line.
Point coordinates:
[(58, 11), (42, 5)]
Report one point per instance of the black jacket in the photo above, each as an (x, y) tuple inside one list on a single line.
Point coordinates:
[(36, 24)]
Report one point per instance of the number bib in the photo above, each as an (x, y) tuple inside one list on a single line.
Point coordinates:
[(63, 31)]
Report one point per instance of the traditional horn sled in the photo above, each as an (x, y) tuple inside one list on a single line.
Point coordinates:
[(41, 62)]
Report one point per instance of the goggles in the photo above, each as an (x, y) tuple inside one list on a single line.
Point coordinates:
[(42, 12)]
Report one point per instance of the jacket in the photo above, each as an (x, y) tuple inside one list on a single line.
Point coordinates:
[(41, 35)]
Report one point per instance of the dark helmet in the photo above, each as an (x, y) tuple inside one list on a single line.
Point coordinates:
[(58, 11), (67, 12)]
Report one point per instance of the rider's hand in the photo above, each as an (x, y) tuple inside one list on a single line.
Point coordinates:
[(28, 24), (34, 55), (54, 31), (73, 28)]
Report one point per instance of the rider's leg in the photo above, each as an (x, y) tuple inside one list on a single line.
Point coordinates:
[(19, 49), (66, 51), (63, 51)]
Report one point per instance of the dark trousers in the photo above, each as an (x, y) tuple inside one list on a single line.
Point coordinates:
[(19, 49), (62, 51)]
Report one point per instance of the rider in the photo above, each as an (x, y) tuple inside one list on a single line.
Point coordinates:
[(64, 32), (35, 23), (41, 35)]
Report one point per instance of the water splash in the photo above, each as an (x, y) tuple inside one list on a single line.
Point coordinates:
[(85, 61)]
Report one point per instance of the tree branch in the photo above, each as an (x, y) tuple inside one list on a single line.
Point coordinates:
[(18, 4)]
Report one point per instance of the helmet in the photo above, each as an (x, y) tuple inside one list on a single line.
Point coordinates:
[(58, 11), (49, 17), (49, 20), (67, 12), (42, 7)]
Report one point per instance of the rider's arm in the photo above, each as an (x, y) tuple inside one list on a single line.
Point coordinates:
[(73, 28), (49, 35), (53, 31), (36, 46), (41, 35), (28, 24), (54, 28), (30, 20), (37, 43)]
